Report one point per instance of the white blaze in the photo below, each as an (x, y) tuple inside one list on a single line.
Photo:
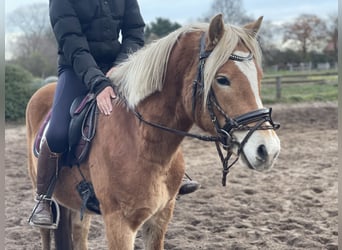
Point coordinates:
[(268, 138), (248, 68)]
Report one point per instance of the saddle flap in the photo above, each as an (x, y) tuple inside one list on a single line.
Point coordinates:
[(80, 103), (82, 127), (78, 111)]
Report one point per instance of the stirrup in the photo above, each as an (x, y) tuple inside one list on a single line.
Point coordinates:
[(55, 213)]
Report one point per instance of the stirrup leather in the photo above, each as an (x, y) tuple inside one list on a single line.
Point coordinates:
[(56, 214)]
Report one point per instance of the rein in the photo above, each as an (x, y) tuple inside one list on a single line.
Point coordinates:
[(175, 131), (224, 136)]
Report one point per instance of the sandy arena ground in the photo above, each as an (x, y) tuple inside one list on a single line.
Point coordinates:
[(292, 206)]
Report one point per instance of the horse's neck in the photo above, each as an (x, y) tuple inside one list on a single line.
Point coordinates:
[(170, 107), (164, 108)]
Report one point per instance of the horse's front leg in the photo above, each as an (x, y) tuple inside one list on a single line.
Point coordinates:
[(155, 228), (80, 230), (119, 232)]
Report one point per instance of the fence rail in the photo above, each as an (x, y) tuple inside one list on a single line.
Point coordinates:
[(300, 78)]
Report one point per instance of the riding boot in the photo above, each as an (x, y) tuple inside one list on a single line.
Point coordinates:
[(188, 186), (47, 170)]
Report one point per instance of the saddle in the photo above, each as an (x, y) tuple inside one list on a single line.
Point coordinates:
[(82, 129)]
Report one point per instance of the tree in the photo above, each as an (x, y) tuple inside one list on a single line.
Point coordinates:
[(267, 42), (332, 36), (307, 31), (34, 48), (281, 58), (232, 10), (161, 27)]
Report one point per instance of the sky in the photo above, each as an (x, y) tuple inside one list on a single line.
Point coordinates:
[(187, 11)]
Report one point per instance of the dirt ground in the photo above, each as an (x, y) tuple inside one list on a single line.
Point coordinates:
[(292, 206)]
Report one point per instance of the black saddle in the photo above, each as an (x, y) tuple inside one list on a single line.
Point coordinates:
[(82, 127)]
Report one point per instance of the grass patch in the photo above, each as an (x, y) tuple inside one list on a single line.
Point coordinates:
[(294, 93), (301, 86)]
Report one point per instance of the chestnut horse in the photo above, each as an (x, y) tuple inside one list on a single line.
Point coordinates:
[(208, 75)]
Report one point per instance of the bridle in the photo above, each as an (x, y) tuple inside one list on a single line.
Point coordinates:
[(223, 138)]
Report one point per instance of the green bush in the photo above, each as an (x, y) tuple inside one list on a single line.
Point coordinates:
[(18, 90)]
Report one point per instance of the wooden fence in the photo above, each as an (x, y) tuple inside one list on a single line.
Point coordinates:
[(301, 78)]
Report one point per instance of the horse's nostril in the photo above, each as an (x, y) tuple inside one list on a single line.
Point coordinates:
[(262, 153)]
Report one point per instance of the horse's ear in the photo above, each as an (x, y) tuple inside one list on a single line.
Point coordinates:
[(254, 26), (216, 31)]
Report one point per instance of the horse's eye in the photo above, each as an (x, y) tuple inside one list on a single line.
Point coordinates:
[(222, 80)]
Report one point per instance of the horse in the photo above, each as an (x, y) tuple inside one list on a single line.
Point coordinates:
[(207, 75)]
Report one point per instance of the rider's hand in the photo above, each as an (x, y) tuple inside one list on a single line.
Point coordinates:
[(104, 100)]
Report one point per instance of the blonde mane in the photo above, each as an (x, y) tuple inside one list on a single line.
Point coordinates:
[(143, 72)]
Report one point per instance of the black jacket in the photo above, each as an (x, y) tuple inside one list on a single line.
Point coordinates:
[(87, 33)]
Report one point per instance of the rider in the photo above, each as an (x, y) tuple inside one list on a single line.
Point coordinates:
[(87, 33)]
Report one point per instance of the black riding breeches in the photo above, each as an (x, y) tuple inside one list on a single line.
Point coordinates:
[(69, 86)]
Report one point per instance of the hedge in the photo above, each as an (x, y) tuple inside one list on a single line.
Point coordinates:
[(18, 90)]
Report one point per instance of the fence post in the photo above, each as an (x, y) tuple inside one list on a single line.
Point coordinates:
[(278, 87)]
